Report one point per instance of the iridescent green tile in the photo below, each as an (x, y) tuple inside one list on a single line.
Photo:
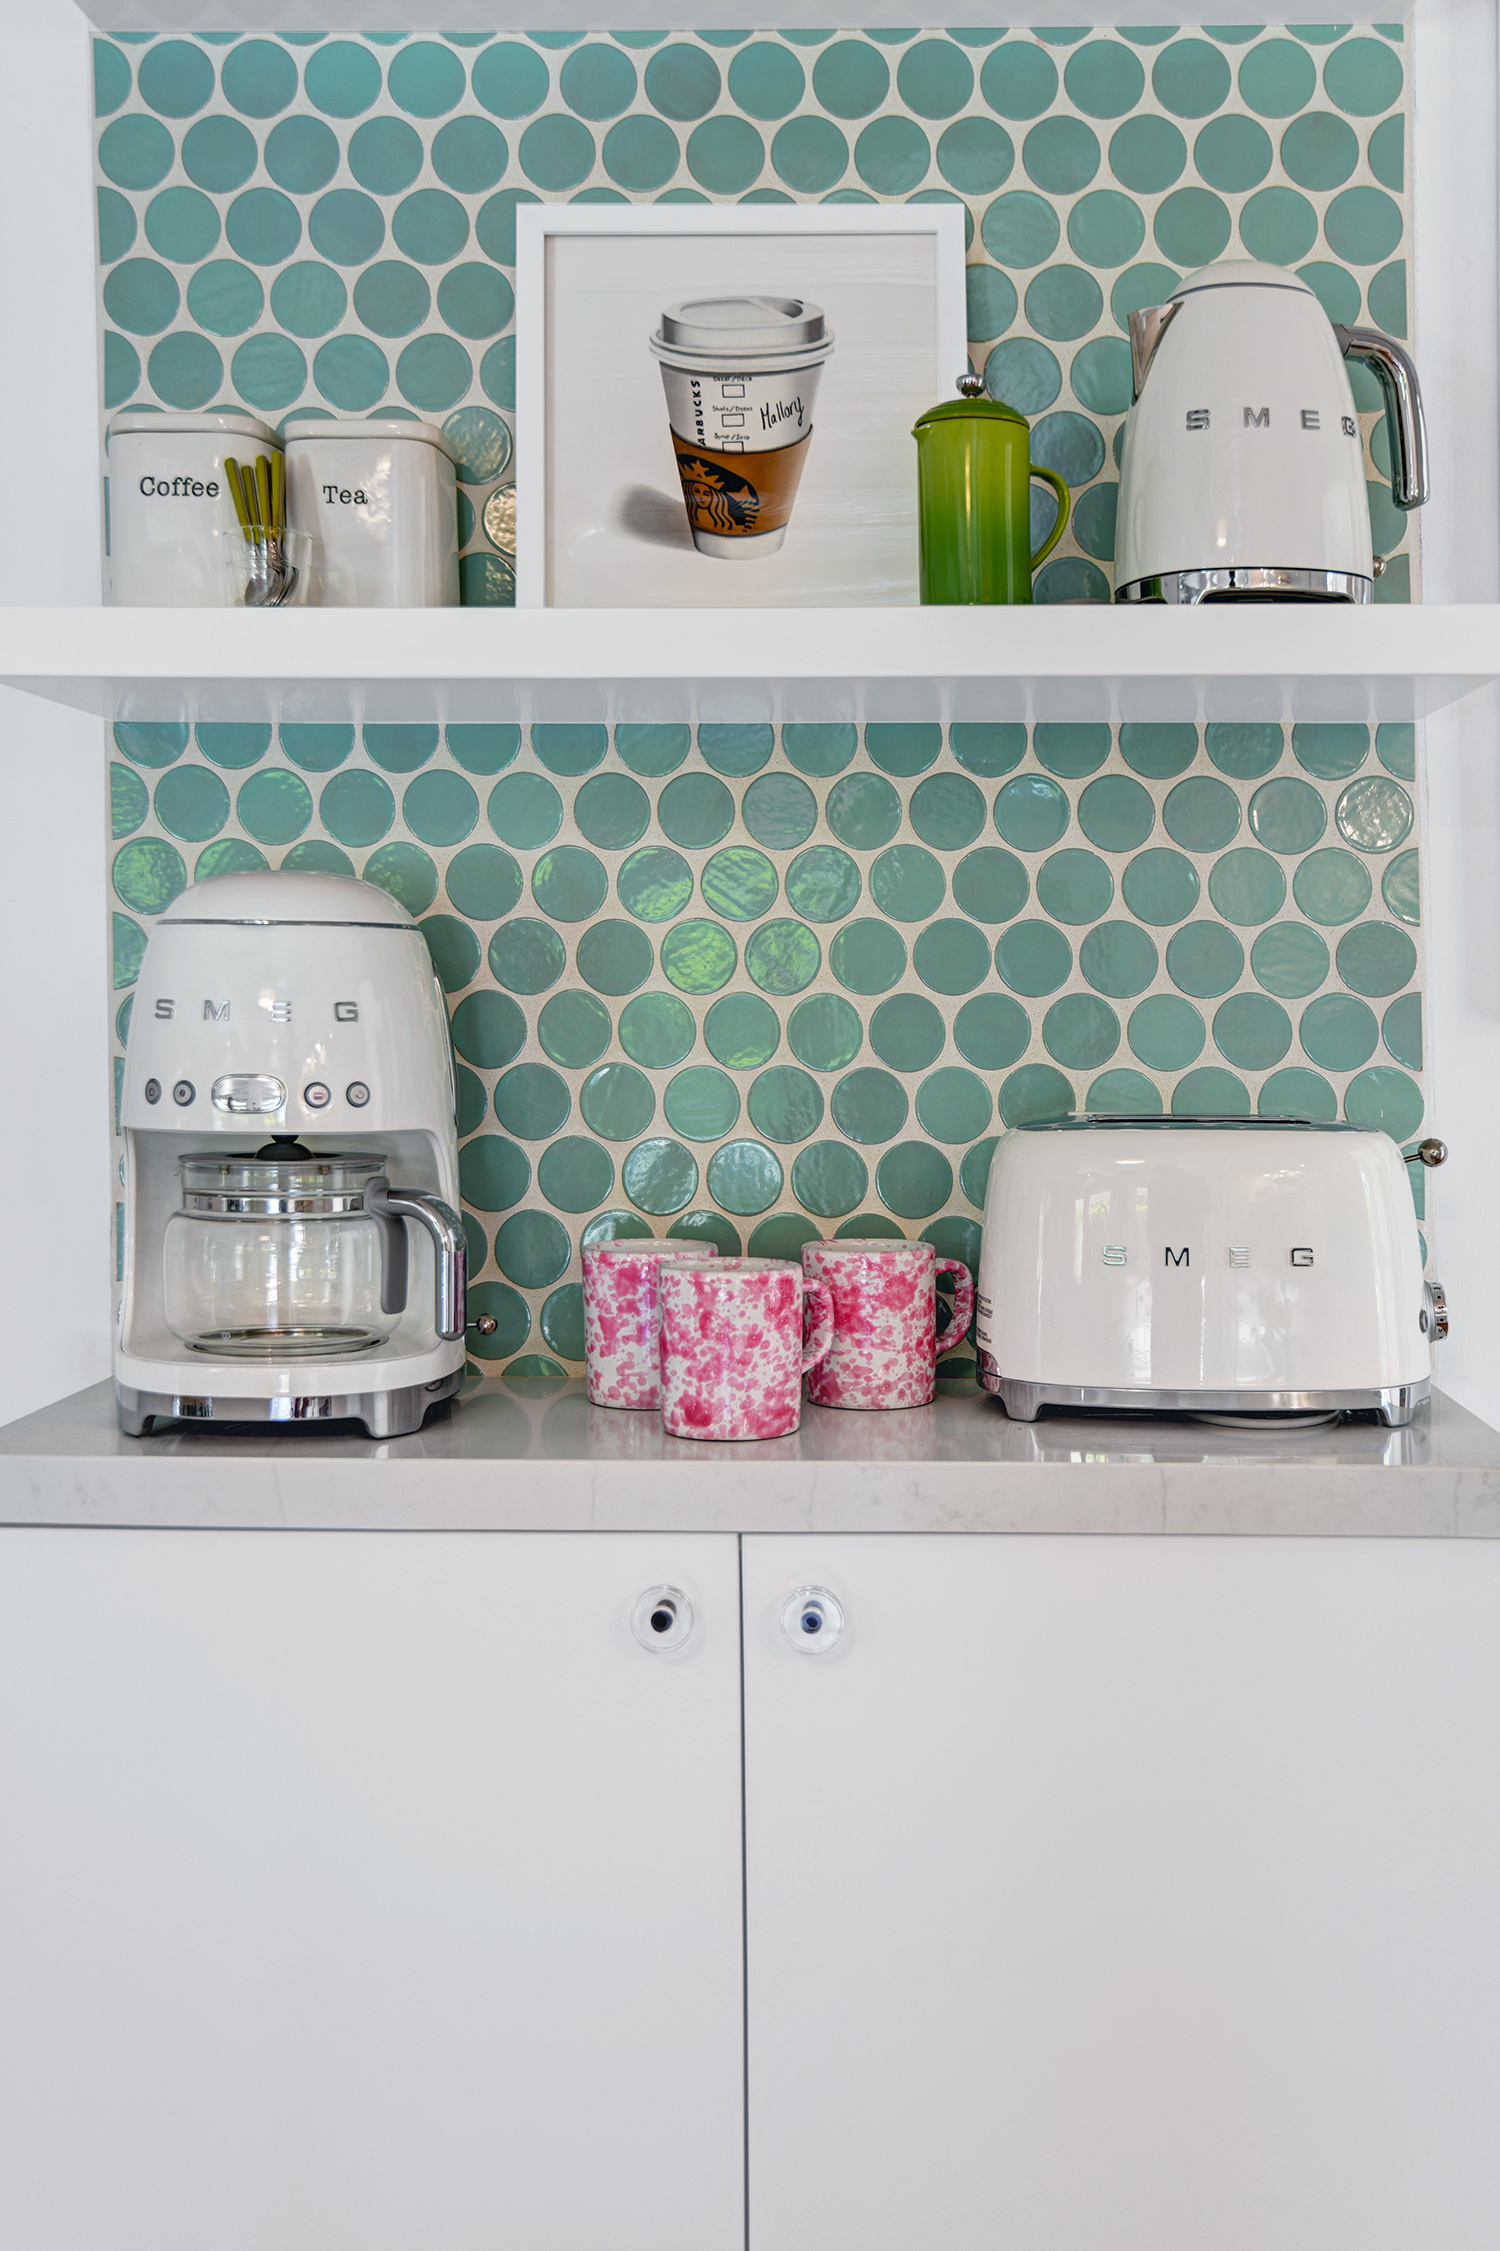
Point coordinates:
[(1075, 886), (1159, 749), (1401, 1029), (440, 808), (743, 1031), (829, 1178), (1296, 1093), (656, 1029), (575, 1174), (1332, 886), (526, 956), (561, 1326), (617, 1102), (312, 853), (231, 855), (400, 747), (695, 811), (701, 1103), (736, 749), (1071, 749), (1201, 814), (1115, 813), (406, 873), (316, 746), (1210, 1093), (1081, 1031), (1373, 814), (1160, 886), (822, 748), (914, 1179), (569, 884), (739, 882), (615, 1226), (1247, 886), (867, 956), (822, 883), (532, 1102), (698, 957), (988, 748), (907, 883), (706, 1227), (1118, 959), (191, 803), (744, 1177), (947, 811), (974, 1172), (869, 1106), (1287, 815), (532, 1249), (1034, 958), (1123, 1094), (1290, 959), (612, 811), (1165, 1033), (1330, 751), (991, 884), (907, 1032), (1384, 1100), (275, 806), (780, 811), (1243, 749), (1204, 959), (454, 949), (129, 800), (785, 1104), (1376, 958), (864, 811), (570, 748), (1396, 748), (782, 1236), (488, 1029), (1031, 812), (483, 882), (524, 810), (783, 957), (952, 957), (660, 1176), (903, 747), (1338, 1032), (1252, 1031), (652, 748), (574, 1029), (479, 747), (1400, 888), (823, 1032), (655, 883), (614, 957), (1035, 1091), (493, 1174)]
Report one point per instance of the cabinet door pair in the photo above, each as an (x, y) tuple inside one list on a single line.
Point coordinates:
[(384, 1893)]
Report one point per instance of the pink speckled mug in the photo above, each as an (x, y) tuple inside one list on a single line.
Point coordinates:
[(622, 1317), (885, 1349), (732, 1351)]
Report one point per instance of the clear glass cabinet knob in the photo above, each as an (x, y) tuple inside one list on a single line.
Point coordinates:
[(662, 1618), (812, 1620)]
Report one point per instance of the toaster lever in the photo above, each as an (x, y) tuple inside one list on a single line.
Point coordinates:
[(1435, 1312)]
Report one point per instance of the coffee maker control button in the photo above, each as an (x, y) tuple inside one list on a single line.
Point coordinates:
[(183, 1092), (357, 1094), (152, 1090), (316, 1096)]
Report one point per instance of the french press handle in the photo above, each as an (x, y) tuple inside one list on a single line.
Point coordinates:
[(1393, 370)]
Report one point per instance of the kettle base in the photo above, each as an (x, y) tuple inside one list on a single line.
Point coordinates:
[(1395, 1403), (1241, 582)]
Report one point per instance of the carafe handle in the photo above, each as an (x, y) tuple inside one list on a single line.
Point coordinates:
[(449, 1245), (1393, 370), (1064, 510)]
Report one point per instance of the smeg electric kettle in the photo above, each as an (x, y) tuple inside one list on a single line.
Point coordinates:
[(1242, 476)]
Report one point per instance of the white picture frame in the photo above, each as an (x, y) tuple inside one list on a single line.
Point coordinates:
[(592, 281)]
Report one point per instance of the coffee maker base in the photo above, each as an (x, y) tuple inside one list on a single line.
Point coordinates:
[(385, 1414)]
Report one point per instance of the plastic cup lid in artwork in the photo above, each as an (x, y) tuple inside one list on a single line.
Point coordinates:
[(743, 332)]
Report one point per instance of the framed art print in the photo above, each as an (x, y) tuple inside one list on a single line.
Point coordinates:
[(715, 402)]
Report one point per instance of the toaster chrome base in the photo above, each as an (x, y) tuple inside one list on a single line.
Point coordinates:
[(1394, 1403), (385, 1414), (1242, 583)]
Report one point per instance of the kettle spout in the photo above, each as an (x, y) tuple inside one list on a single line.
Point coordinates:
[(1147, 328)]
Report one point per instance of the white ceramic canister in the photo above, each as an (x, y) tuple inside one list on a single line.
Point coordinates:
[(170, 516), (380, 501)]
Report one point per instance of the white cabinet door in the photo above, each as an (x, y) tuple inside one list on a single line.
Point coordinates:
[(367, 1893), (1125, 1895)]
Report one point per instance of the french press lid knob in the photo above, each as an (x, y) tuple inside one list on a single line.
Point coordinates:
[(971, 386)]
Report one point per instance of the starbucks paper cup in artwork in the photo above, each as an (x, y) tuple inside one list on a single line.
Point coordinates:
[(741, 377)]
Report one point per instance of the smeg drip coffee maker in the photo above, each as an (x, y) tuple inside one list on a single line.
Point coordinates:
[(293, 1250)]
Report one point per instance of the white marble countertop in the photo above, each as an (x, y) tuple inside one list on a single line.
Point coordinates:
[(535, 1457)]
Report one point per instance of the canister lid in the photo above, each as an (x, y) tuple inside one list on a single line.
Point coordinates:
[(224, 422), (383, 428)]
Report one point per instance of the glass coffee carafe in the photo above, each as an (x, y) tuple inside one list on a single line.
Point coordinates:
[(282, 1255)]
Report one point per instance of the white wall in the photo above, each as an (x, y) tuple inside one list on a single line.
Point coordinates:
[(1458, 334), (54, 1124)]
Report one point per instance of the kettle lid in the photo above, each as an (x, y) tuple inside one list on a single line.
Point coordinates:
[(973, 405), (1239, 273)]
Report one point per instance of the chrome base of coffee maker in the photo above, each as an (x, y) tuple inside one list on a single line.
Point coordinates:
[(385, 1414), (1241, 583)]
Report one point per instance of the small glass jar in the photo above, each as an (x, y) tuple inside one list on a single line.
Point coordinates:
[(276, 1258)]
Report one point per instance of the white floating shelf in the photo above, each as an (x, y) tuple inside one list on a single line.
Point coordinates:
[(1096, 662), (607, 15)]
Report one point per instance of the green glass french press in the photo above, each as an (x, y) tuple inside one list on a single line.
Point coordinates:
[(974, 479)]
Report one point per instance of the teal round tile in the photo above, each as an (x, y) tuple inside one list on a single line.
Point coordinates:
[(914, 1179), (863, 811), (532, 1249), (1332, 886), (1338, 1032), (512, 1317), (525, 810), (493, 1174), (780, 811), (1337, 292), (766, 81), (488, 1030), (483, 882), (556, 153), (597, 81), (1192, 226), (1247, 886), (1233, 154), (1123, 1094), (574, 1030), (351, 372), (141, 296), (1071, 750), (313, 854), (128, 949), (725, 155), (698, 957), (1118, 959), (823, 884), (1116, 813), (526, 956), (509, 79), (218, 153), (867, 956), (472, 1107), (696, 810), (1023, 374), (640, 154), (1205, 959), (906, 748), (1160, 886), (935, 78), (1376, 958), (148, 873), (851, 78), (907, 1032), (1295, 1093), (1287, 815), (182, 225), (1278, 225), (739, 883), (391, 298), (1138, 287), (976, 156), (974, 1172), (238, 743), (947, 811), (736, 750), (614, 958), (907, 883), (1035, 1091), (269, 371), (1147, 154), (275, 807), (562, 1328), (476, 302), (1165, 1033), (892, 155), (454, 950), (112, 78), (1244, 749), (654, 884), (129, 801), (137, 152), (1100, 376), (1363, 76), (265, 226), (1158, 749), (440, 808), (809, 155), (1081, 1031), (682, 83), (307, 298), (1190, 78), (1318, 151), (825, 1033), (1020, 229), (116, 225), (1074, 447), (176, 78), (1106, 228), (991, 301), (744, 1177), (1277, 77), (191, 803), (1363, 226), (1031, 812), (231, 855), (1104, 79), (1210, 1093), (1252, 1031), (575, 1175), (1401, 1029), (781, 1236), (992, 1031), (653, 749), (495, 224), (612, 811), (385, 155), (1018, 81), (1290, 959), (868, 1106), (656, 1029), (829, 1179), (618, 1102), (785, 1104), (302, 155), (151, 742), (1384, 1100), (1374, 815), (990, 884), (1070, 579), (820, 749), (1033, 958), (532, 1102), (1387, 152), (988, 748), (1201, 814), (1064, 302), (1399, 887), (743, 1031), (406, 872), (1074, 886), (952, 957), (706, 1227)]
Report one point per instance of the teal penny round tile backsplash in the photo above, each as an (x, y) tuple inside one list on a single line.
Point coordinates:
[(742, 982)]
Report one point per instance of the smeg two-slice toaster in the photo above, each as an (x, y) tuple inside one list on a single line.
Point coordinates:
[(1238, 1265)]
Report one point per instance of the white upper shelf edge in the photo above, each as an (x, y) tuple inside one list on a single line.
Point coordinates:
[(1089, 662), (611, 15)]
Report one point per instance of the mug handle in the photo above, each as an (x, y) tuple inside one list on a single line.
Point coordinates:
[(817, 1300), (1064, 510), (963, 1287)]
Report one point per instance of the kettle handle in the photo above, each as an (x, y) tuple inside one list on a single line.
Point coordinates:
[(1064, 510), (1394, 372)]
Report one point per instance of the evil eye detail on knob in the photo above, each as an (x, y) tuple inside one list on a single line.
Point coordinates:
[(662, 1619), (812, 1620)]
